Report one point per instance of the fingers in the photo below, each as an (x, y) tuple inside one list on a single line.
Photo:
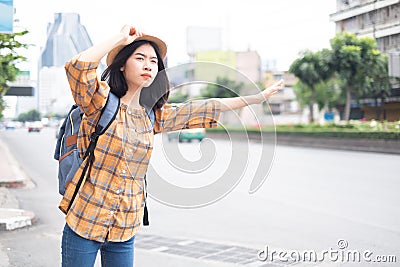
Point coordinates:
[(125, 29), (129, 30), (273, 89), (280, 83), (276, 86), (138, 32), (132, 31)]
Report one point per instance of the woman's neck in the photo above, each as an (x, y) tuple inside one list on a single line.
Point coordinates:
[(131, 98)]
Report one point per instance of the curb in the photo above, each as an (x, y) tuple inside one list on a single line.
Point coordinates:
[(20, 183), (11, 219), (18, 177)]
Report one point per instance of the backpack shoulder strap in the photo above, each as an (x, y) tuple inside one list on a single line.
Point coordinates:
[(108, 113), (107, 116), (150, 114)]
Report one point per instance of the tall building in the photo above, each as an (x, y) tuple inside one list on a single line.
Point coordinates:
[(66, 37), (379, 19)]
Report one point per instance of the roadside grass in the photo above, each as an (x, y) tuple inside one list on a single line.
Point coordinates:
[(352, 129)]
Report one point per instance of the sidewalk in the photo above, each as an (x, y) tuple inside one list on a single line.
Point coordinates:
[(11, 176)]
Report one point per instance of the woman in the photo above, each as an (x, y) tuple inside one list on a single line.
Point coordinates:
[(107, 211)]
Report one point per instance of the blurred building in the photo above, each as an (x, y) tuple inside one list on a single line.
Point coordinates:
[(284, 101), (238, 66), (209, 61), (66, 37), (20, 96), (207, 66), (284, 105), (22, 93), (379, 19), (241, 66)]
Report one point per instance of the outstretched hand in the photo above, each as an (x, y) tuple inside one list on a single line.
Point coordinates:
[(266, 93)]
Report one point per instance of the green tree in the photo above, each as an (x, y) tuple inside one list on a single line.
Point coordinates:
[(2, 107), (303, 94), (222, 88), (358, 64), (328, 94), (379, 86), (311, 69), (31, 115), (9, 57), (178, 97)]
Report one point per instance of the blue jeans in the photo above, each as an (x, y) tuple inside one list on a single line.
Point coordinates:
[(82, 252)]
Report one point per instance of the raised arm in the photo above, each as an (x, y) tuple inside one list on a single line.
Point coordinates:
[(242, 101), (95, 53), (205, 113), (88, 91)]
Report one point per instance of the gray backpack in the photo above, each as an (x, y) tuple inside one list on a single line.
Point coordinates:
[(66, 151)]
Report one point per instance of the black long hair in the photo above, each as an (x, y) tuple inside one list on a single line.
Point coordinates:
[(154, 96)]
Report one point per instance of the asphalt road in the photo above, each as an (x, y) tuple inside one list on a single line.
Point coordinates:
[(312, 198)]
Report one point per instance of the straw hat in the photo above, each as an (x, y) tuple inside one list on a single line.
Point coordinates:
[(162, 48)]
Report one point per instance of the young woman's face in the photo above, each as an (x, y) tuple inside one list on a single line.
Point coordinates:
[(141, 67)]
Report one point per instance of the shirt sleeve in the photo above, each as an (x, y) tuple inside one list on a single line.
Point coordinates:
[(192, 114), (89, 93)]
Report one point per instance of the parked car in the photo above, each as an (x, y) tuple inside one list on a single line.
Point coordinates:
[(35, 126), (11, 125), (187, 134)]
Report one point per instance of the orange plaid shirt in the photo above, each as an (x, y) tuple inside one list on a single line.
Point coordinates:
[(110, 203)]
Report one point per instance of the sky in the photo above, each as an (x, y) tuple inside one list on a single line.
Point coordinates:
[(277, 29)]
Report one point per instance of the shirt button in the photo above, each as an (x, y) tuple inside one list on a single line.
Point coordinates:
[(129, 112), (118, 191), (111, 212), (123, 171)]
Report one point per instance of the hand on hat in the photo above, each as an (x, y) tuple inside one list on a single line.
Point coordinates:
[(130, 33)]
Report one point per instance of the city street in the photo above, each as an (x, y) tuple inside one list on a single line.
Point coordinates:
[(311, 200)]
